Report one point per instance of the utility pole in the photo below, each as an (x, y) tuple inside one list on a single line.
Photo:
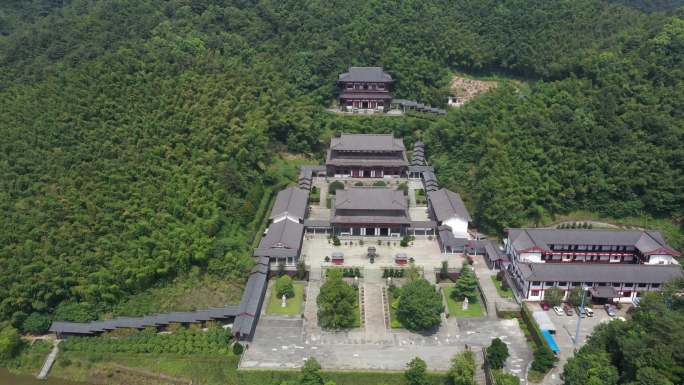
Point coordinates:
[(579, 318)]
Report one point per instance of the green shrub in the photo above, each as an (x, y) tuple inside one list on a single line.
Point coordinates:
[(284, 287), (36, 323), (10, 343), (75, 312), (238, 348), (497, 353), (544, 359), (334, 186), (420, 305), (358, 184), (379, 183), (336, 240)]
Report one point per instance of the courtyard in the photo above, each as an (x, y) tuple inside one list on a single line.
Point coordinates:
[(424, 251)]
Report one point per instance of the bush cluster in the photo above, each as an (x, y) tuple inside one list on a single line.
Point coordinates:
[(215, 341), (394, 273)]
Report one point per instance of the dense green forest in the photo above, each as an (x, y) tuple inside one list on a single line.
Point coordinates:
[(139, 136), (646, 350)]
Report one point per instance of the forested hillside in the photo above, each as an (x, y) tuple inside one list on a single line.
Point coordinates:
[(138, 135)]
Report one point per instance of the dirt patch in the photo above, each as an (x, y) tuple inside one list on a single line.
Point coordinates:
[(465, 89)]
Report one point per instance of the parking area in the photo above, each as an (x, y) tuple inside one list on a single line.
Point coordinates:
[(566, 327)]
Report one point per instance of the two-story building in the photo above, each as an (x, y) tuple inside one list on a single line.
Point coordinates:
[(365, 88), (616, 265), (366, 156)]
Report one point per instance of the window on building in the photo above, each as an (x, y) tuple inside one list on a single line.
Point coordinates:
[(642, 285), (381, 86), (616, 284), (548, 283), (629, 284), (536, 283), (626, 293), (655, 285), (535, 293), (589, 283), (562, 283), (576, 284), (602, 284)]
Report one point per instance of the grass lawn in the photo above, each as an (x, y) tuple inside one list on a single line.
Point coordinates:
[(394, 322), (456, 307), (294, 304), (505, 293), (201, 369), (185, 293)]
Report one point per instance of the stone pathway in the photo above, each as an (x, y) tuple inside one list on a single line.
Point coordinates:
[(310, 308), (492, 296), (375, 327), (49, 361)]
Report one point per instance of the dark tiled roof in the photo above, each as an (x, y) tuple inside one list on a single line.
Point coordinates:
[(446, 237), (250, 305), (365, 74), (367, 142), (370, 219), (283, 235), (88, 328), (292, 202), (316, 223), (448, 204), (647, 242), (420, 168), (599, 272), (370, 199)]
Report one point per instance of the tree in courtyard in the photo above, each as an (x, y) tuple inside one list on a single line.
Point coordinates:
[(311, 373), (336, 240), (334, 186), (10, 342), (497, 353), (416, 372), (444, 270), (36, 323), (403, 186), (554, 296), (462, 370), (575, 297), (284, 287), (336, 303), (301, 270), (466, 285), (420, 305)]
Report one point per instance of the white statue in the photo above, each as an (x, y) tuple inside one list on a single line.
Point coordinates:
[(465, 303), (284, 301)]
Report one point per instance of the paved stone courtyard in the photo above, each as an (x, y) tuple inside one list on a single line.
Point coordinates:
[(285, 342)]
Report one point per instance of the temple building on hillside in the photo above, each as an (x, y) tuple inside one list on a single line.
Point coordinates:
[(370, 212), (366, 156), (365, 88), (611, 265)]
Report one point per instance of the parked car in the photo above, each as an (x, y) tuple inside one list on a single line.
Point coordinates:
[(610, 310), (580, 312), (558, 310), (568, 310), (589, 311), (545, 306)]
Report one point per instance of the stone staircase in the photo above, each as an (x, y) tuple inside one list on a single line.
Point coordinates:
[(480, 377)]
